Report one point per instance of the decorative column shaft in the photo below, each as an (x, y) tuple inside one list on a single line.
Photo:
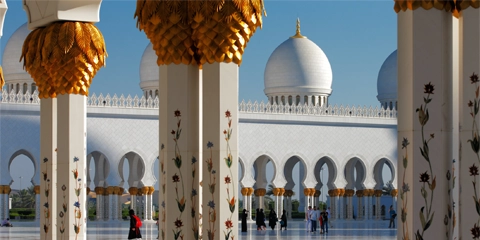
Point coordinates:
[(349, 194), (278, 193), (333, 193), (360, 195), (378, 207), (71, 164), (106, 205), (48, 167), (140, 204), (133, 197), (36, 189), (119, 203), (260, 193), (111, 203), (466, 170), (180, 125), (316, 196), (220, 128), (100, 203), (426, 121), (288, 203), (341, 203)]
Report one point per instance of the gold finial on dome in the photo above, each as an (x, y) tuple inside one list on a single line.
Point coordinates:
[(298, 34)]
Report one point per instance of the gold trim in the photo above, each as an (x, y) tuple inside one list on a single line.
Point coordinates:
[(2, 80), (453, 6), (297, 33)]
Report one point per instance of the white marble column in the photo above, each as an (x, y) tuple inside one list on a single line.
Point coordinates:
[(140, 204), (36, 189), (106, 205), (249, 205), (100, 203), (48, 167), (378, 206), (147, 198), (180, 134), (220, 128), (119, 203), (341, 204), (360, 205), (349, 203), (333, 204), (425, 72), (278, 193), (468, 63), (71, 165), (111, 203), (288, 203)]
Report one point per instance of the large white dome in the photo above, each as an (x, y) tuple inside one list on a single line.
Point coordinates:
[(387, 80), (298, 67), (149, 70), (12, 67)]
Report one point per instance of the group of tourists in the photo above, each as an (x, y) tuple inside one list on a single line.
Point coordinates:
[(260, 219), (313, 215)]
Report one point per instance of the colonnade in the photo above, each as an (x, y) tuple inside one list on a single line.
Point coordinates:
[(341, 202), (109, 205)]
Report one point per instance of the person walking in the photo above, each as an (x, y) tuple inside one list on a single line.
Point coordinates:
[(307, 216), (257, 219), (135, 223), (313, 219), (272, 218), (328, 215), (393, 215), (325, 219), (244, 220), (262, 219), (283, 222)]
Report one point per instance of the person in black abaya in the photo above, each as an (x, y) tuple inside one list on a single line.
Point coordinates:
[(283, 222), (257, 219), (244, 220), (272, 218)]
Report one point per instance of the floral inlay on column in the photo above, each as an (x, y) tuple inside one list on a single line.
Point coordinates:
[(78, 211), (63, 211), (178, 178), (229, 161), (193, 197), (475, 144), (46, 211), (404, 192), (426, 214), (450, 218), (212, 215), (164, 179)]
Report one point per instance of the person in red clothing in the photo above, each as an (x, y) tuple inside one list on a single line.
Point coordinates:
[(134, 231)]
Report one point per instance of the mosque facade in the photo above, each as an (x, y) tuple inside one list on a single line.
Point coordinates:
[(295, 125)]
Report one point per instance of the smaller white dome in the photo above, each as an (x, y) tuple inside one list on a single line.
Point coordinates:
[(12, 67), (149, 70), (387, 80), (298, 66)]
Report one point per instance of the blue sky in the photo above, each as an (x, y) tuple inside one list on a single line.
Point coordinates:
[(356, 36)]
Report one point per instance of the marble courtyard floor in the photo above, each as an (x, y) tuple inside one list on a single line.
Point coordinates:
[(355, 230)]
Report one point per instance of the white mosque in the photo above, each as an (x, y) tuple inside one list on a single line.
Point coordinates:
[(295, 125)]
